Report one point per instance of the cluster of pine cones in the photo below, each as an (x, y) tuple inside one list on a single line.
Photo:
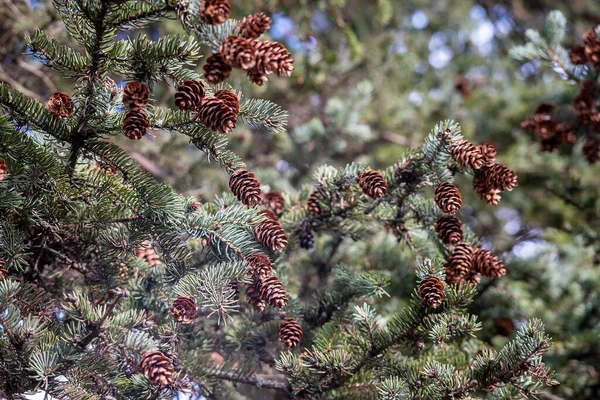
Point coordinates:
[(589, 52), (135, 97), (246, 52), (551, 133)]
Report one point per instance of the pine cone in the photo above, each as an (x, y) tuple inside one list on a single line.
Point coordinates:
[(488, 151), (61, 105), (217, 115), (245, 187), (489, 195), (194, 206), (275, 201), (184, 310), (3, 169), (290, 332), (373, 184), (577, 55), (3, 271), (271, 235), (189, 95), (123, 272), (257, 77), (273, 57), (229, 98), (460, 260), (566, 133), (431, 290), (239, 52), (146, 252), (254, 298), (157, 367), (463, 85), (136, 96), (499, 177), (488, 264), (268, 214), (591, 150), (216, 70), (307, 239), (314, 208), (215, 12), (449, 229), (253, 26), (272, 291), (260, 265), (135, 124), (467, 154), (448, 198)]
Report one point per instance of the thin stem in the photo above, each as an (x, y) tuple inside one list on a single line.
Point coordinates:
[(254, 380)]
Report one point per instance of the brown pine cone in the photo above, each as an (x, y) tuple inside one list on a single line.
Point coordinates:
[(592, 52), (215, 12), (189, 95), (373, 184), (449, 229), (61, 105), (239, 52), (431, 290), (135, 124), (577, 55), (566, 133), (499, 177), (314, 208), (229, 98), (275, 201), (3, 272), (590, 36), (254, 298), (463, 85), (194, 206), (146, 252), (253, 26), (184, 310), (591, 150), (467, 154), (489, 195), (216, 70), (488, 151), (272, 291), (157, 367), (488, 264), (257, 77), (260, 265), (271, 235), (460, 260), (217, 116), (136, 96), (245, 187), (448, 198), (3, 169), (290, 332), (273, 57)]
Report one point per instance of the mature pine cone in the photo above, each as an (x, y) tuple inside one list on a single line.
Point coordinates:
[(431, 290), (61, 105), (488, 264), (467, 154), (270, 234), (254, 298), (273, 57), (136, 96), (577, 55), (449, 229), (184, 310), (157, 367), (239, 52), (146, 252), (314, 208), (3, 272), (3, 169), (135, 124), (463, 85), (252, 26), (260, 265), (215, 114), (189, 95), (245, 187), (229, 98), (290, 332), (499, 177), (215, 12), (448, 198), (272, 291), (275, 201), (373, 184), (216, 70), (257, 77), (489, 154), (489, 195), (460, 262), (591, 150)]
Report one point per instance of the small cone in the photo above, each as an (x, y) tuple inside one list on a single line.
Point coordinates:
[(135, 124), (489, 195), (61, 105), (272, 291), (146, 252), (189, 95), (253, 26), (215, 12), (216, 70), (488, 151), (184, 310), (257, 77), (271, 235), (448, 198), (290, 332), (467, 154), (431, 290), (216, 115), (136, 96), (275, 201), (577, 55), (373, 184), (305, 235), (314, 209), (591, 150), (273, 57), (3, 169), (460, 262), (254, 298), (245, 187), (449, 229), (260, 265), (229, 98), (488, 264), (157, 367), (3, 271), (499, 177), (239, 52)]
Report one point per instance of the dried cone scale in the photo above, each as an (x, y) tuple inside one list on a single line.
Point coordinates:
[(272, 291), (157, 367), (136, 96), (189, 95), (239, 52), (290, 332), (271, 235), (216, 70), (449, 229), (373, 184), (229, 98), (448, 198), (245, 187), (431, 291), (146, 252), (215, 12), (253, 26), (184, 310), (61, 105), (260, 265)]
